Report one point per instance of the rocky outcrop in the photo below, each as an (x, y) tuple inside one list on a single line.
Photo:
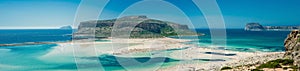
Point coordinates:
[(140, 26), (258, 27), (292, 47), (66, 28), (254, 27)]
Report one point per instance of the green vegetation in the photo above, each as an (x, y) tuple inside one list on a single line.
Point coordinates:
[(279, 63), (168, 31), (285, 68), (287, 62), (271, 64), (294, 67), (276, 63), (298, 39), (136, 26), (225, 68), (256, 70)]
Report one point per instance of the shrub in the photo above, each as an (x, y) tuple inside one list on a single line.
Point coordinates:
[(225, 68), (256, 70), (287, 62), (294, 67), (285, 68), (271, 64)]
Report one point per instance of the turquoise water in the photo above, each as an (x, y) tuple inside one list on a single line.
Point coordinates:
[(246, 41), (110, 63), (23, 57), (28, 57)]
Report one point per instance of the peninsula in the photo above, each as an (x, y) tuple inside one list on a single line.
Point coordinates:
[(138, 26), (259, 27)]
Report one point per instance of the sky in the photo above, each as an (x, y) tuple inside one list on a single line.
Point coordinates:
[(33, 14)]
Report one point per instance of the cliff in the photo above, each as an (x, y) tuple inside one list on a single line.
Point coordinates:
[(292, 47), (258, 27), (142, 27)]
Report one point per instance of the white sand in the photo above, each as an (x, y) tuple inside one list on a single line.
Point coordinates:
[(84, 48)]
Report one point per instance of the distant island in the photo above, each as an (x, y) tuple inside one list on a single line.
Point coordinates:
[(142, 27), (66, 27), (258, 27)]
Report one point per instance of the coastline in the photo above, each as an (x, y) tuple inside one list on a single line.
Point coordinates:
[(189, 54), (216, 58), (216, 66)]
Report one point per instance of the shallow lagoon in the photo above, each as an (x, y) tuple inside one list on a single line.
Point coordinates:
[(42, 57), (45, 57)]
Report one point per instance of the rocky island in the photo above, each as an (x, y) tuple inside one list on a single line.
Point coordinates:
[(138, 26), (259, 27), (66, 27)]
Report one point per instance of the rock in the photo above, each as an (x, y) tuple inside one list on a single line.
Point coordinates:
[(136, 26), (254, 27), (292, 47)]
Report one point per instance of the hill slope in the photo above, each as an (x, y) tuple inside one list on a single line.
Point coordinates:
[(134, 27)]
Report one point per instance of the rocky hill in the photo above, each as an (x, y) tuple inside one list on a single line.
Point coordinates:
[(254, 27), (292, 46), (138, 27), (258, 27)]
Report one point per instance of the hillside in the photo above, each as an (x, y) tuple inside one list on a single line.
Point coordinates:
[(135, 26)]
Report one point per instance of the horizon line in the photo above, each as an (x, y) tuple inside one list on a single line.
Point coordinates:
[(12, 28), (34, 27), (29, 27)]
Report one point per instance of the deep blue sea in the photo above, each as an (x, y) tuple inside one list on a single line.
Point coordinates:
[(249, 41), (30, 57), (33, 35)]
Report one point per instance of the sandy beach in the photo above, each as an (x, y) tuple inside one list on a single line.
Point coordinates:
[(188, 53)]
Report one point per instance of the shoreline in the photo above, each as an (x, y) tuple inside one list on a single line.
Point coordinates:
[(122, 47), (217, 65), (191, 53)]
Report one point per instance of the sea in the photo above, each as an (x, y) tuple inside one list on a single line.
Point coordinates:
[(28, 57), (245, 41), (12, 36)]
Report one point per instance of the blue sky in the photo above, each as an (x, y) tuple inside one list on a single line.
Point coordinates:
[(236, 13)]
